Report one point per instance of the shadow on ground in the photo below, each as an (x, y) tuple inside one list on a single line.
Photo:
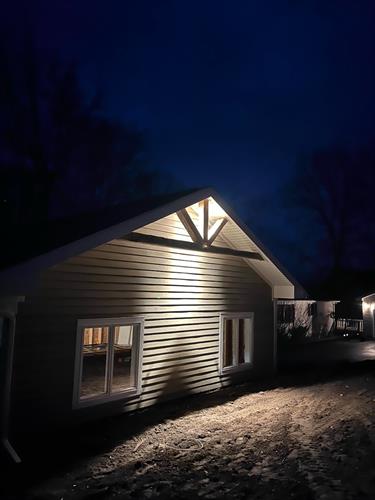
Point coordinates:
[(58, 453)]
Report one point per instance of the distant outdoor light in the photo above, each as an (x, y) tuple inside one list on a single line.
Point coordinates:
[(214, 208), (368, 306)]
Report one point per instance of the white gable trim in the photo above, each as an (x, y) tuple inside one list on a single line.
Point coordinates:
[(271, 271)]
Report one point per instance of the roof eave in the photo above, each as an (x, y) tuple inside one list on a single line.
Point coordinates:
[(297, 286), (32, 267)]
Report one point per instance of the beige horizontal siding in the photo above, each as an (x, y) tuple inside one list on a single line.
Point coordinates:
[(163, 258), (167, 227), (148, 400), (174, 363), (181, 337), (91, 266), (179, 293), (186, 274)]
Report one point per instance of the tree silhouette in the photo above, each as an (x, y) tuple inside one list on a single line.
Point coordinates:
[(335, 188), (59, 153)]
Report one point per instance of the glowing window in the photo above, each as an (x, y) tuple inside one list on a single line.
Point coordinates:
[(109, 360)]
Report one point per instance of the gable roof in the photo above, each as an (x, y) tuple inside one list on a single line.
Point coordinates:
[(31, 249), (26, 241)]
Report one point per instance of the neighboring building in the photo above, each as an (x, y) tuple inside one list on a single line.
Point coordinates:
[(315, 317), (353, 313), (349, 318), (368, 310), (139, 304), (324, 317)]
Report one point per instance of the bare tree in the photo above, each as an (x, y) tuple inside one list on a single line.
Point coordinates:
[(59, 152), (335, 189)]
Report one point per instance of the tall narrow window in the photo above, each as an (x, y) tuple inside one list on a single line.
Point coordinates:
[(109, 359), (312, 309), (228, 342), (236, 341), (285, 313)]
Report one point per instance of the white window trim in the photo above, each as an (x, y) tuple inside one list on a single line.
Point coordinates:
[(138, 356), (244, 366)]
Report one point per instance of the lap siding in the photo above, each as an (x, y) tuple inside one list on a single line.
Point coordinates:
[(179, 293)]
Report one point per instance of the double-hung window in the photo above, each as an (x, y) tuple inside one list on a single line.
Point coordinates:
[(236, 341), (108, 360)]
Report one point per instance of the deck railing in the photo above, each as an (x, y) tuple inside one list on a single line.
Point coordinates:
[(349, 325)]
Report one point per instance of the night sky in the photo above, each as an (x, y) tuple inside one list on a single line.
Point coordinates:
[(229, 93)]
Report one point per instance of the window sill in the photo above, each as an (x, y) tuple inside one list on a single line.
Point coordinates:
[(98, 400), (235, 369)]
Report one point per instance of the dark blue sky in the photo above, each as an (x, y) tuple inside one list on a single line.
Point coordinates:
[(230, 93)]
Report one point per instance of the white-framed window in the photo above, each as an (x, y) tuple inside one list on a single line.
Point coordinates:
[(108, 363), (236, 341)]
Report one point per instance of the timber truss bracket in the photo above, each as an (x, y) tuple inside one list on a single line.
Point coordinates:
[(209, 234), (202, 235)]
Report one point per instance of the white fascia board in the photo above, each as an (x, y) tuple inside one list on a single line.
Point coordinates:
[(272, 272), (270, 269), (282, 300), (281, 287), (53, 257), (283, 292), (369, 298)]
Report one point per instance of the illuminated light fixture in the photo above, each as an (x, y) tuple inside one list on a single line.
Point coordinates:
[(203, 221), (215, 210), (368, 307)]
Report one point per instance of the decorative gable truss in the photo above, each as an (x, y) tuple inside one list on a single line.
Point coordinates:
[(208, 225), (199, 221), (203, 222)]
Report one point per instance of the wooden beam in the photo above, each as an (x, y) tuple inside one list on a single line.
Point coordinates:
[(217, 231), (189, 225), (187, 245), (205, 221)]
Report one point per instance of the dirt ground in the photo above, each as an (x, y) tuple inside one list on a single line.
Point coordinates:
[(307, 441)]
